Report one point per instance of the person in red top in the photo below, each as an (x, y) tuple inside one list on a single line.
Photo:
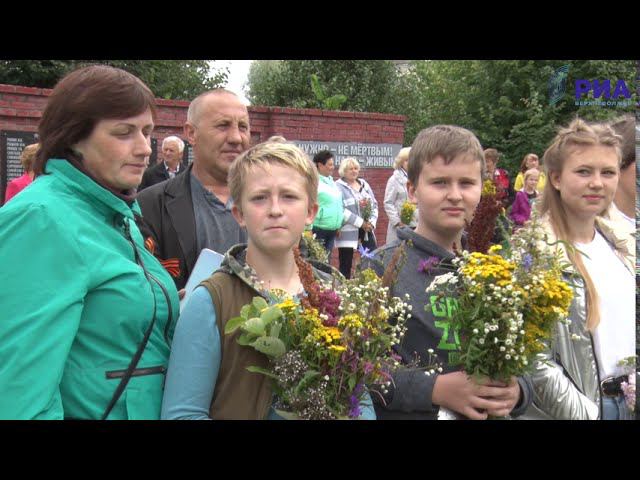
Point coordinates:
[(498, 175), (16, 185)]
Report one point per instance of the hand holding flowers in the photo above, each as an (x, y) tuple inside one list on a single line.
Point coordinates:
[(366, 210), (508, 304)]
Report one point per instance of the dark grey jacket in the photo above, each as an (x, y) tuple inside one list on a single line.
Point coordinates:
[(409, 396), (169, 226)]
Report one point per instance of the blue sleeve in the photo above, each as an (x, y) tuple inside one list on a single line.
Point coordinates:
[(194, 362), (366, 407)]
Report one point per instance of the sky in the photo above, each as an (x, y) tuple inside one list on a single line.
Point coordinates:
[(238, 73)]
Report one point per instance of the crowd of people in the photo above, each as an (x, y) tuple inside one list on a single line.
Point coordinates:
[(98, 248)]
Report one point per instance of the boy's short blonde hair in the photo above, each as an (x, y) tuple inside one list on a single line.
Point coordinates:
[(286, 154), (447, 141)]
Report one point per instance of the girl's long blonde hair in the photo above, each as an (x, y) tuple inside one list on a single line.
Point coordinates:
[(578, 134)]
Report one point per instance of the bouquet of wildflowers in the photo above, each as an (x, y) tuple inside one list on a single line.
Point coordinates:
[(509, 301), (324, 350), (366, 210), (406, 212), (315, 249)]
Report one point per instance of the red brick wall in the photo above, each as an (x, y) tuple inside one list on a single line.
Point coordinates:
[(21, 109)]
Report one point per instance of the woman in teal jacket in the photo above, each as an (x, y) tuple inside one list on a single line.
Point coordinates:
[(80, 295)]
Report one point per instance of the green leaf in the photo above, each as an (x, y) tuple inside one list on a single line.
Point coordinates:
[(271, 314), (308, 376), (317, 88), (263, 371), (255, 326), (245, 312), (246, 339), (352, 383), (233, 324), (334, 102), (259, 303), (275, 329), (271, 346)]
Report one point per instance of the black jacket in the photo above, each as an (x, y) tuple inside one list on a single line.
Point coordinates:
[(156, 174), (169, 225)]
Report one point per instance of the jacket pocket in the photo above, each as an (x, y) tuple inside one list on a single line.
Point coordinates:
[(138, 372)]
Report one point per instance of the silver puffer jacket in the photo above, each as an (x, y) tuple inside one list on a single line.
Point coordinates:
[(566, 381)]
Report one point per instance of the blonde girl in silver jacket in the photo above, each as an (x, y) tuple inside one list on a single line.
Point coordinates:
[(578, 377)]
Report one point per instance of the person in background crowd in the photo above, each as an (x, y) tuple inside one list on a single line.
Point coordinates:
[(529, 161), (521, 208), (277, 138), (623, 206), (18, 184), (395, 194), (579, 376), (192, 211), (499, 176), (172, 148), (87, 312), (355, 191), (331, 214)]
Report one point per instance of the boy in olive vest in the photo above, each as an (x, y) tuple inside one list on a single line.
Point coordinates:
[(273, 187)]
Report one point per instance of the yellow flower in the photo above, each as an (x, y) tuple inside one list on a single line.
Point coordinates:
[(287, 306), (351, 321), (488, 188), (337, 348)]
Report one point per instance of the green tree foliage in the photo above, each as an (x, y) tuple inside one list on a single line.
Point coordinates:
[(170, 79), (333, 102), (365, 83), (505, 103)]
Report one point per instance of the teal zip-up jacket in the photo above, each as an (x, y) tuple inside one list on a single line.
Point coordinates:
[(74, 304), (331, 212)]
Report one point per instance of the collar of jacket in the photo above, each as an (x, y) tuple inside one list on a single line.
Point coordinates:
[(179, 206), (95, 193), (235, 262), (166, 167), (428, 247), (180, 185), (619, 245)]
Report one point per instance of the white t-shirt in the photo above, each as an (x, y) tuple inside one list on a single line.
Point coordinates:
[(632, 221), (615, 335)]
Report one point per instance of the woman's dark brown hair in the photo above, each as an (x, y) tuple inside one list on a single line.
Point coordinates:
[(80, 100)]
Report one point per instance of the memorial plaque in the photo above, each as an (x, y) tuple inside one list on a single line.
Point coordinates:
[(153, 158), (370, 155), (11, 145), (187, 155)]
